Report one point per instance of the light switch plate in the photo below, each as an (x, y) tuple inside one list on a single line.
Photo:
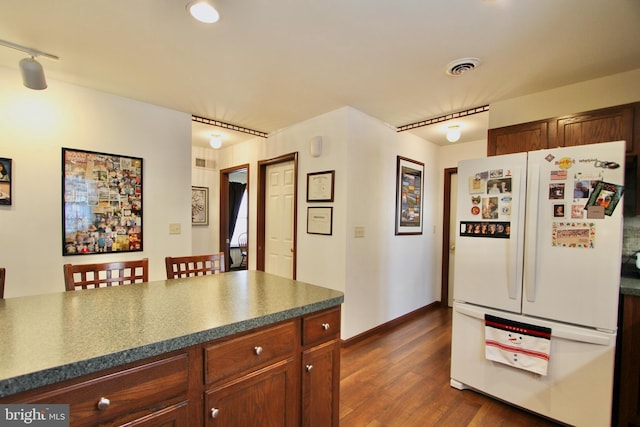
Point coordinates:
[(174, 229), (359, 232)]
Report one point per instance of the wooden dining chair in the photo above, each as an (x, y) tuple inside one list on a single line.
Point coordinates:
[(89, 276), (2, 273), (195, 265), (242, 245)]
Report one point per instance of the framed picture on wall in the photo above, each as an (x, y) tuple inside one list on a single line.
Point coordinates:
[(199, 206), (5, 181), (320, 186), (409, 187), (101, 203), (320, 220)]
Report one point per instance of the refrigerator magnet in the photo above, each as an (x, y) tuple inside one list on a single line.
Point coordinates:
[(577, 211), (476, 185), (606, 195), (475, 210)]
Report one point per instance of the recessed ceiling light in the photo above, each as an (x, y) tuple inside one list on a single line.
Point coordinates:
[(203, 11)]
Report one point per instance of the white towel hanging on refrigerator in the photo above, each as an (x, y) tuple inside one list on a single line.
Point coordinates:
[(517, 344)]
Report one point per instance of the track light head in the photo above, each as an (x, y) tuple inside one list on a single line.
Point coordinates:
[(32, 74)]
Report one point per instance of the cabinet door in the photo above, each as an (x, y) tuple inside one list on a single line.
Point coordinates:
[(517, 138), (266, 398), (592, 127), (321, 385)]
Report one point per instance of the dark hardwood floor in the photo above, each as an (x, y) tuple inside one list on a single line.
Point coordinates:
[(400, 377)]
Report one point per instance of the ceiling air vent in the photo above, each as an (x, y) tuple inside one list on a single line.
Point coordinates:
[(461, 66)]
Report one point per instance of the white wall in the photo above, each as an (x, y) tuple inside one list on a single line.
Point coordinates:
[(387, 276), (617, 89), (204, 238), (383, 275), (35, 125)]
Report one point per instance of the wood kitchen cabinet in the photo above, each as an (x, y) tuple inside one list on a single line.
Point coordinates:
[(518, 138), (250, 379), (629, 393), (321, 369), (282, 375), (604, 125), (263, 398), (142, 394), (592, 127)]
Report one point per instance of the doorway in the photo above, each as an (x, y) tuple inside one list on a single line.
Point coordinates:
[(448, 235), (234, 217), (277, 215)]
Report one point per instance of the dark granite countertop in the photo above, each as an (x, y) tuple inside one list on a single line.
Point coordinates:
[(629, 279), (53, 337)]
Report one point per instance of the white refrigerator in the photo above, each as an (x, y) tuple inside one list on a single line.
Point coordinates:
[(536, 279)]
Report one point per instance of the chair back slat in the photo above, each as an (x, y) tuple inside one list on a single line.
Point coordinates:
[(89, 276), (2, 274), (195, 265)]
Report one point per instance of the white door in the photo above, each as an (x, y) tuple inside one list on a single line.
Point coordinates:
[(280, 187), (489, 238), (453, 206), (573, 250)]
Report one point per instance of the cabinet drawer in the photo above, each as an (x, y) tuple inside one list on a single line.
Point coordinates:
[(249, 352), (137, 389), (321, 326)]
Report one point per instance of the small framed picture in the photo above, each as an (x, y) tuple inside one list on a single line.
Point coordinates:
[(320, 186), (199, 206), (320, 220), (5, 181)]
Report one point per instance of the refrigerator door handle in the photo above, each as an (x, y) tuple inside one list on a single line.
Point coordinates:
[(514, 254), (531, 255), (559, 332)]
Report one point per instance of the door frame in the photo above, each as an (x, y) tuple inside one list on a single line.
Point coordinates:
[(262, 208), (224, 213), (446, 224)]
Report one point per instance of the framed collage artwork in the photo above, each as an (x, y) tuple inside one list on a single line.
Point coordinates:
[(409, 187), (101, 203), (5, 181)]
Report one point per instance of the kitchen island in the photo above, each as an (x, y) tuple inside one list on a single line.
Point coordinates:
[(195, 351)]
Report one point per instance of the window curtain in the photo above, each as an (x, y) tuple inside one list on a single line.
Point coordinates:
[(236, 191)]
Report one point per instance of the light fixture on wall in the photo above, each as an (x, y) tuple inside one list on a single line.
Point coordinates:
[(203, 11), (315, 146), (453, 133), (31, 70), (215, 141)]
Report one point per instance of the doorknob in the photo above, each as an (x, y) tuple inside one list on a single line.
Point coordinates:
[(452, 247), (291, 250)]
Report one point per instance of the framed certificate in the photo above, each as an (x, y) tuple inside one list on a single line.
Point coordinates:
[(320, 186), (320, 220)]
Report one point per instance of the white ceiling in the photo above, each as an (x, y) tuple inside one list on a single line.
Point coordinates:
[(268, 64)]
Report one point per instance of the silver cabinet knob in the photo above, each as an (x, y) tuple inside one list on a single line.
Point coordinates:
[(214, 412), (103, 403), (257, 350), (326, 326), (308, 368)]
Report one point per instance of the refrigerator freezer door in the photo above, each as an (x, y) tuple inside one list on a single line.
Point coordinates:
[(572, 254), (489, 240), (577, 389)]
